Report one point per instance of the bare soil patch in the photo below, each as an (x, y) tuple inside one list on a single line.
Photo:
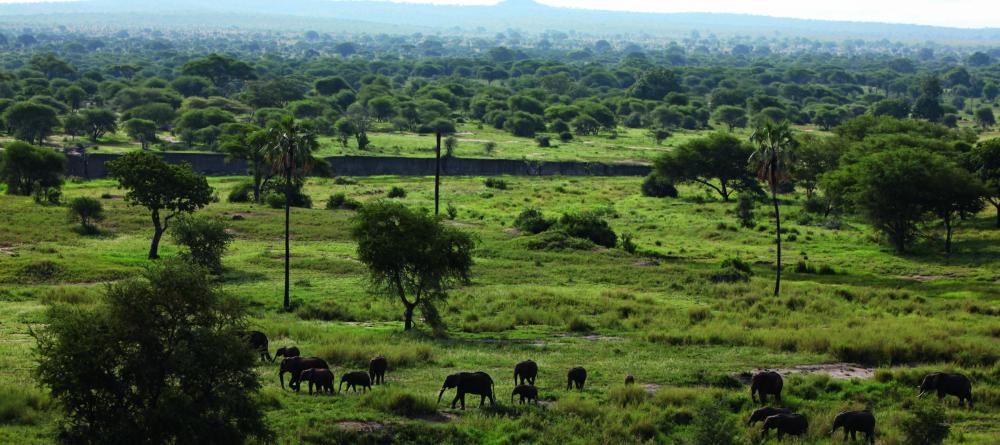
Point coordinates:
[(843, 371), (361, 426)]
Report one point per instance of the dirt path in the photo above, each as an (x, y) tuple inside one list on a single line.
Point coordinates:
[(843, 371)]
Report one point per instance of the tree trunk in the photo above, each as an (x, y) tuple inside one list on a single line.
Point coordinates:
[(408, 316), (437, 176), (997, 205), (288, 213), (777, 224), (725, 193), (157, 234), (947, 238), (256, 182)]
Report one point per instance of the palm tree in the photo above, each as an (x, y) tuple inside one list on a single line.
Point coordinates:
[(773, 141), (289, 148)]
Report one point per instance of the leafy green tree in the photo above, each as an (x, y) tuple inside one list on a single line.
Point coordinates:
[(99, 121), (361, 118), (198, 119), (654, 84), (928, 105), (219, 69), (896, 108), (28, 170), (30, 122), (246, 142), (985, 163), (86, 211), (74, 125), (717, 161), (159, 360), (985, 117), (167, 190), (141, 130), (328, 86), (957, 195), (160, 113), (73, 96), (774, 142), (289, 147), (815, 156), (411, 256), (732, 117), (191, 85), (205, 237)]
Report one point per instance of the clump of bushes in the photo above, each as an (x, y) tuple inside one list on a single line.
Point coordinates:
[(532, 221), (22, 406), (326, 310), (86, 211), (745, 206), (925, 424), (590, 226), (494, 183), (243, 192), (275, 198), (543, 141), (565, 136), (341, 201), (340, 180), (559, 240), (578, 324), (40, 271), (489, 147), (658, 186), (804, 267), (205, 237), (396, 192), (400, 402), (733, 270), (627, 244), (626, 395)]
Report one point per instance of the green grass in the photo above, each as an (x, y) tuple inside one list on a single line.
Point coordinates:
[(656, 316)]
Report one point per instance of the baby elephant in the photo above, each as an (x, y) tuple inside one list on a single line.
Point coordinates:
[(527, 393), (765, 383), (791, 424), (376, 369), (946, 384), (286, 352), (356, 379), (629, 379), (322, 378), (765, 412), (855, 421), (576, 376)]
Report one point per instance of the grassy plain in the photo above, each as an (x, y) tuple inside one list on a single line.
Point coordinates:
[(656, 315)]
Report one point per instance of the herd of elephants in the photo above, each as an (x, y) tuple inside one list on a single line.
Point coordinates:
[(316, 372)]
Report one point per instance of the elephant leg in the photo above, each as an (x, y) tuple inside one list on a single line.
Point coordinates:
[(455, 400), (482, 400), (854, 436)]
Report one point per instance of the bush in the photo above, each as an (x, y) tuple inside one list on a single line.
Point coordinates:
[(489, 147), (450, 144), (400, 402), (590, 226), (275, 198), (925, 424), (577, 324), (205, 237), (565, 136), (242, 192), (544, 141), (342, 202), (86, 211), (713, 425), (340, 180), (396, 192), (532, 221), (657, 186), (451, 211), (733, 270), (558, 240), (744, 211), (22, 406), (494, 183), (627, 244), (626, 395)]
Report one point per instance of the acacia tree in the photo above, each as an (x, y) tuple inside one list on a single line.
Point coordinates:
[(167, 190), (986, 164), (957, 194), (27, 169), (159, 360), (289, 147), (30, 122), (99, 121), (717, 161), (245, 141), (774, 142), (411, 256)]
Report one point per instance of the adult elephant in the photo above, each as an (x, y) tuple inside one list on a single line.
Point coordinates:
[(319, 377), (376, 369), (526, 371), (576, 377), (766, 383), (296, 365), (791, 424), (947, 384), (258, 342), (856, 421), (477, 383)]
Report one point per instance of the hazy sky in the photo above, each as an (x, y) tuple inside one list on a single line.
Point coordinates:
[(956, 13)]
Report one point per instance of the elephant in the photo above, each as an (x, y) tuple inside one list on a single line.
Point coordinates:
[(630, 379), (527, 393), (295, 366), (322, 378), (258, 342), (576, 376), (286, 352), (854, 421), (356, 379), (478, 383), (760, 414), (956, 385), (526, 371), (764, 383), (376, 369), (791, 424)]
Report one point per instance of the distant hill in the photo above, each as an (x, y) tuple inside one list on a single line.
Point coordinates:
[(523, 15)]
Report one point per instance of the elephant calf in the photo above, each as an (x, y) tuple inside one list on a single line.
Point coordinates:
[(760, 414), (576, 376), (295, 366), (356, 379), (478, 383), (791, 424), (376, 369), (322, 378), (766, 383), (629, 379), (526, 371), (286, 352), (526, 392), (854, 421), (946, 384)]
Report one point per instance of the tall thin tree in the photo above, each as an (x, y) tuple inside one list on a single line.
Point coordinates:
[(289, 148), (774, 142)]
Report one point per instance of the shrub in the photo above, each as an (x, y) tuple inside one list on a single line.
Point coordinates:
[(815, 205), (450, 144), (242, 192), (544, 141), (40, 271), (657, 186), (451, 211), (565, 136), (733, 270), (494, 183), (396, 192), (713, 425), (590, 226), (47, 195), (86, 211), (276, 199), (627, 244), (577, 324), (532, 221), (626, 395), (400, 402), (342, 202), (489, 147), (559, 240), (925, 424), (340, 180), (744, 211), (21, 406), (205, 237)]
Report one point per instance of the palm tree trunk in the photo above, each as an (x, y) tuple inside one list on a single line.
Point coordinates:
[(437, 176), (288, 213), (777, 224)]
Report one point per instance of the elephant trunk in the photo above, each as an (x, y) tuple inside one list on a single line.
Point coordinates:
[(922, 393), (439, 396)]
